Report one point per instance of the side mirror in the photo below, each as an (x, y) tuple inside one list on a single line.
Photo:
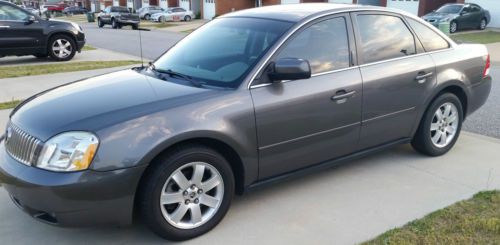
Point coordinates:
[(464, 12), (30, 19), (290, 69)]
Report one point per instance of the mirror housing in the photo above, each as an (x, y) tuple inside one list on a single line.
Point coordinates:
[(30, 19), (290, 69)]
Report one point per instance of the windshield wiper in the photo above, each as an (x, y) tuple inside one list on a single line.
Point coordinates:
[(172, 73)]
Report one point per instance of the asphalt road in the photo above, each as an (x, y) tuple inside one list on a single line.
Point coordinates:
[(126, 40)]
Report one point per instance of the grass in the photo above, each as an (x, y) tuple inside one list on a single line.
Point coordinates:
[(30, 70), (473, 221), (9, 104), (478, 37), (88, 48), (148, 24)]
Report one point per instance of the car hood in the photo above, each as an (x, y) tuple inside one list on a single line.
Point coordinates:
[(436, 15), (102, 101)]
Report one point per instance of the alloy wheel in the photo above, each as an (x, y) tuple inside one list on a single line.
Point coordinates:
[(192, 195), (453, 27), (483, 24), (62, 48), (444, 125)]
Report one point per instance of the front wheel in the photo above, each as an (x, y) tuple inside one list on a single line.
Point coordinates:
[(100, 24), (453, 27), (440, 126), (114, 24), (62, 48), (147, 16), (186, 193)]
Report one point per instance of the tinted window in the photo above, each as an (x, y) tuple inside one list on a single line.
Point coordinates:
[(384, 37), (450, 9), (430, 39), (119, 10), (11, 13), (324, 44), (224, 50)]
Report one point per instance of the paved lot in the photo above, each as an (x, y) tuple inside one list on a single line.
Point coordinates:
[(344, 205), (154, 42)]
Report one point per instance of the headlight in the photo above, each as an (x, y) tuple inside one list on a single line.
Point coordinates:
[(76, 26), (67, 152)]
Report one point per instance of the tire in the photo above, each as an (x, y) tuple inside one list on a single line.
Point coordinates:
[(483, 24), (161, 19), (187, 18), (61, 47), (147, 16), (429, 143), (114, 24), (159, 179), (453, 27), (100, 24)]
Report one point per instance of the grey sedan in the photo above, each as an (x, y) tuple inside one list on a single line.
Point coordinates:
[(251, 97)]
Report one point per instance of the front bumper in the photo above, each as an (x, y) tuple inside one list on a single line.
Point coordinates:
[(71, 199), (127, 22)]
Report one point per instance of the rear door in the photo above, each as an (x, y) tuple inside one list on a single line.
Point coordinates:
[(309, 121), (17, 36), (396, 75)]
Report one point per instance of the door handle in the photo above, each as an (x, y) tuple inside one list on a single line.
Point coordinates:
[(342, 94), (422, 75)]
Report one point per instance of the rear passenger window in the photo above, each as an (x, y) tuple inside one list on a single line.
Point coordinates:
[(384, 37), (324, 44), (429, 38)]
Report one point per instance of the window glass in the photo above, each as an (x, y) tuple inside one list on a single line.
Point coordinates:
[(384, 37), (11, 13), (430, 39), (324, 44)]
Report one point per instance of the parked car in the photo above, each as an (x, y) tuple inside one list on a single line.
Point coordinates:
[(460, 16), (75, 10), (24, 33), (57, 8), (44, 8), (117, 17), (146, 12), (268, 93), (32, 10), (173, 14)]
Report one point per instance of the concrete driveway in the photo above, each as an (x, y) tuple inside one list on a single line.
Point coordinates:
[(347, 204)]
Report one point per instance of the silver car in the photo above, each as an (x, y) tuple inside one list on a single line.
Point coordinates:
[(146, 12), (173, 14)]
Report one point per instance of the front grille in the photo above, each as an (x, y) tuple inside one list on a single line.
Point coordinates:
[(22, 146)]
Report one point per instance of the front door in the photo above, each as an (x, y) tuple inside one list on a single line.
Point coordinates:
[(17, 34), (396, 75), (305, 122)]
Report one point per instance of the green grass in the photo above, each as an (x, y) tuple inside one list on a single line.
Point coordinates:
[(88, 48), (478, 37), (157, 24), (9, 104), (30, 70), (473, 221)]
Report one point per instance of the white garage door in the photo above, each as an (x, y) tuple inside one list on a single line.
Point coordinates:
[(340, 1), (163, 4), (208, 9), (289, 1), (184, 4), (410, 6), (493, 7)]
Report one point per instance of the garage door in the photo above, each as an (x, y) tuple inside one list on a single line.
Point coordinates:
[(208, 9), (408, 6), (493, 7), (289, 1), (184, 4)]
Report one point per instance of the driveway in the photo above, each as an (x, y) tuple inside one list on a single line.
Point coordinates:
[(347, 204)]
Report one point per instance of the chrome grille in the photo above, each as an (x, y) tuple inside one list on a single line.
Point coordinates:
[(22, 146)]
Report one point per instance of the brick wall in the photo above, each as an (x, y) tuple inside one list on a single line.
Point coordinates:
[(270, 2), (173, 3), (226, 6)]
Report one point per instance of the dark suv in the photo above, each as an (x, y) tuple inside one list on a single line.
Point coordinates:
[(251, 97), (23, 33), (118, 17)]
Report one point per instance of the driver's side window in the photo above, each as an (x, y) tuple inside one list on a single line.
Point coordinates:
[(13, 14), (324, 44)]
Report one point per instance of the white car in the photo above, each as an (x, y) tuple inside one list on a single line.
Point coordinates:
[(173, 14)]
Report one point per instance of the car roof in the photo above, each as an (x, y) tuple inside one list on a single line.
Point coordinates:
[(298, 12)]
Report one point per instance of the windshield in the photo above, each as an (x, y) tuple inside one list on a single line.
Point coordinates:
[(119, 10), (450, 9), (223, 51)]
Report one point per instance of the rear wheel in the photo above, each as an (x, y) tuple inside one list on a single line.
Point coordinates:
[(440, 127), (147, 16), (187, 18), (482, 24), (62, 48), (100, 24), (186, 193)]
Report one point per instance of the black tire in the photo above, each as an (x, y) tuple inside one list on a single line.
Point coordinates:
[(187, 18), (147, 16), (481, 26), (66, 38), (100, 24), (159, 172), (114, 24), (422, 141), (451, 25)]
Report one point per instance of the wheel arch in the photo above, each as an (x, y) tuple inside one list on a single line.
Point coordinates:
[(65, 33)]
